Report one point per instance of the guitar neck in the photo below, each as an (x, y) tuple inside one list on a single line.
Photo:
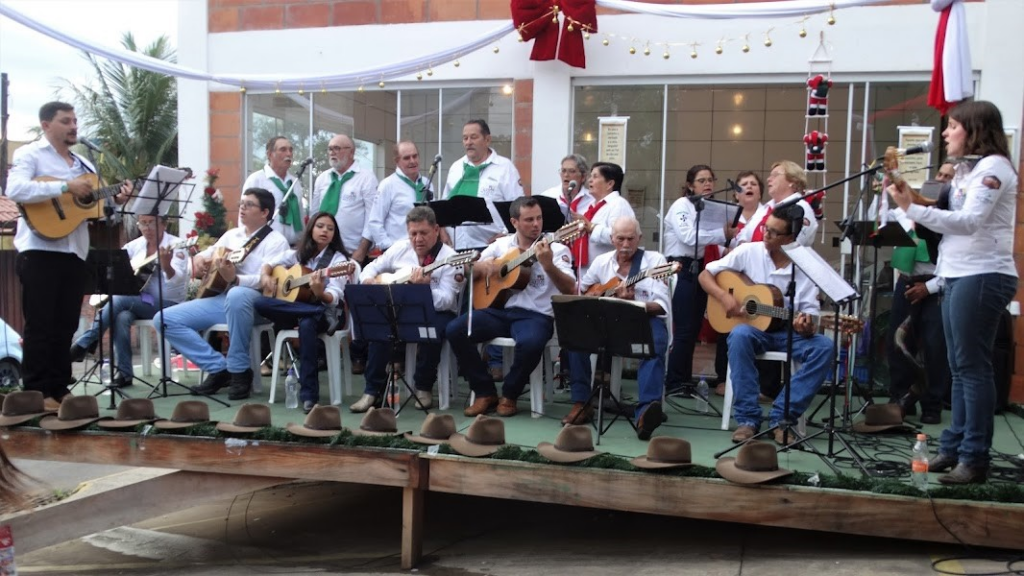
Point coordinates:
[(778, 312), (560, 236), (106, 191), (307, 278)]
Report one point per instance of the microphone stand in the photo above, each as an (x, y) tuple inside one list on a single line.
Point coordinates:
[(428, 192), (282, 210)]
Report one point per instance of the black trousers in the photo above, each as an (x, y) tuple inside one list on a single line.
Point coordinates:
[(52, 286)]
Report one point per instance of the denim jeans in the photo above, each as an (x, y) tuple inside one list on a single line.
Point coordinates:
[(531, 331), (813, 354), (428, 356), (125, 310), (689, 303), (185, 321), (650, 376), (926, 316), (310, 320), (971, 307)]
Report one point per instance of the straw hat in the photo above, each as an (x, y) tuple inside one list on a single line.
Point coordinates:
[(574, 443), (20, 407), (321, 422), (75, 412), (249, 418), (186, 414), (436, 429), (484, 437), (756, 462), (879, 418), (665, 452), (378, 422), (130, 413)]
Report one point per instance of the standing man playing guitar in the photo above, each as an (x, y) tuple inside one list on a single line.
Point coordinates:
[(527, 316), (422, 248), (766, 263), (154, 243), (624, 262), (52, 270), (255, 243)]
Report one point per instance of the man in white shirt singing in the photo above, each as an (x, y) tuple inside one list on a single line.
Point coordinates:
[(347, 191), (396, 196), (274, 177)]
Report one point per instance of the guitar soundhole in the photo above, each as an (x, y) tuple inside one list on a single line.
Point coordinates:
[(504, 270), (88, 203), (287, 285), (750, 307)]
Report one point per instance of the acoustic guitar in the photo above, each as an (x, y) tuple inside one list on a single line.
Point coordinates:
[(214, 283), (404, 275), (891, 164), (55, 218), (293, 282), (656, 273), (495, 290), (143, 268), (764, 308)]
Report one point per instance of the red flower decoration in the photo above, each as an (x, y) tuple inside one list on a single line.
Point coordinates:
[(210, 190)]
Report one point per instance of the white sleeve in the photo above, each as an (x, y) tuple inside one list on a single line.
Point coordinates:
[(734, 260), (379, 265), (369, 196), (318, 190), (375, 221), (448, 289), (806, 235), (20, 186), (336, 285), (978, 204), (512, 186), (603, 233)]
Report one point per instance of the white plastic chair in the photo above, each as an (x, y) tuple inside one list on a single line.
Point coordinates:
[(146, 346), (727, 403), (445, 374), (537, 381), (254, 350), (335, 373)]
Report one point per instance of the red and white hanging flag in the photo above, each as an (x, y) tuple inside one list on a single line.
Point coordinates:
[(951, 72)]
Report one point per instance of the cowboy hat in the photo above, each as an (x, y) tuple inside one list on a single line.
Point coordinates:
[(574, 443), (377, 422), (321, 422), (665, 452), (249, 418), (879, 418), (20, 407), (75, 412), (484, 437), (756, 462), (186, 414), (436, 429), (130, 413)]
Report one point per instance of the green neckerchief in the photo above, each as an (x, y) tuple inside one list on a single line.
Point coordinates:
[(469, 184), (294, 217), (332, 198), (417, 186), (904, 257)]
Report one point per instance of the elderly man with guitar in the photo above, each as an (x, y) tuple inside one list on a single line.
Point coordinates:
[(49, 181), (630, 274), (231, 271), (524, 310), (766, 263)]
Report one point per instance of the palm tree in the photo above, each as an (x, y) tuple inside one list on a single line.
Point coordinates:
[(132, 113)]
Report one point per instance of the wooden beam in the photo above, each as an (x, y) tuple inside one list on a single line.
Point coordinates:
[(976, 523), (101, 504), (412, 517)]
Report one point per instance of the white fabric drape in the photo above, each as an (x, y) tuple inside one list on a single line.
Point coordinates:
[(957, 83), (783, 9)]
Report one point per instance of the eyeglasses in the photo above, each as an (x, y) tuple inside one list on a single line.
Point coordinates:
[(249, 205), (773, 233), (705, 180), (338, 148), (568, 171)]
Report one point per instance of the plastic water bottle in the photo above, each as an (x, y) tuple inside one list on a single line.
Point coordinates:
[(702, 395), (394, 395), (105, 375), (291, 389), (919, 463)]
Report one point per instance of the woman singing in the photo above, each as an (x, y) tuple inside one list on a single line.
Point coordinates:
[(976, 263)]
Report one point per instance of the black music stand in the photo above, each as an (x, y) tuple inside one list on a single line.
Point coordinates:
[(551, 214), (396, 314), (110, 273), (606, 327), (459, 211)]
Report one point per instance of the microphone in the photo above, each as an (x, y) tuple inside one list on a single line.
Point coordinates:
[(572, 186), (923, 148), (735, 187), (306, 162), (433, 167), (89, 144)]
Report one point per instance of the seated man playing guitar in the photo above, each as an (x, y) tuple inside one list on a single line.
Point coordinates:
[(527, 316), (766, 263), (420, 259), (634, 273), (253, 243), (311, 298), (154, 243)]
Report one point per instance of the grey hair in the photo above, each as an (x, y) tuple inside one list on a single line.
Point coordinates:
[(581, 163), (623, 220)]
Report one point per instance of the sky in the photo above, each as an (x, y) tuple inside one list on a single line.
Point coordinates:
[(36, 64)]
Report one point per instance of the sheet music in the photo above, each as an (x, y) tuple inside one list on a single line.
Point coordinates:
[(717, 214), (820, 272), (158, 190)]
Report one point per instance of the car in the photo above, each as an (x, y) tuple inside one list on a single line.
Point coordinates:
[(10, 356)]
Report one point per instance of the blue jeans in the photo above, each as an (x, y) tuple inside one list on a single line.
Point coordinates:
[(813, 354), (531, 331), (185, 321), (428, 356), (689, 302), (125, 310), (930, 339), (310, 319), (650, 376), (971, 307)]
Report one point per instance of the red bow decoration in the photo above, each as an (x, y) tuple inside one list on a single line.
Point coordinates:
[(538, 20)]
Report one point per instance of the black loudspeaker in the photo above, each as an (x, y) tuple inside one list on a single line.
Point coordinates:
[(1002, 360)]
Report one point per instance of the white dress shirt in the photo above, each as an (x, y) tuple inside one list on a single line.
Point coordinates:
[(499, 182), (806, 236), (600, 237), (37, 159), (354, 205), (752, 259), (537, 294), (248, 271), (681, 231), (605, 267), (445, 282), (395, 198), (261, 179), (586, 199), (175, 288), (336, 285)]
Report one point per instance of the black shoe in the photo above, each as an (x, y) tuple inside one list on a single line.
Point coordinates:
[(121, 381), (964, 474), (649, 421), (941, 463), (931, 416), (908, 403), (308, 406), (214, 382), (241, 385), (77, 353), (333, 323)]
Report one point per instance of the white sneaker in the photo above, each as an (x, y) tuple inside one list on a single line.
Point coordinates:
[(425, 398), (364, 403)]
